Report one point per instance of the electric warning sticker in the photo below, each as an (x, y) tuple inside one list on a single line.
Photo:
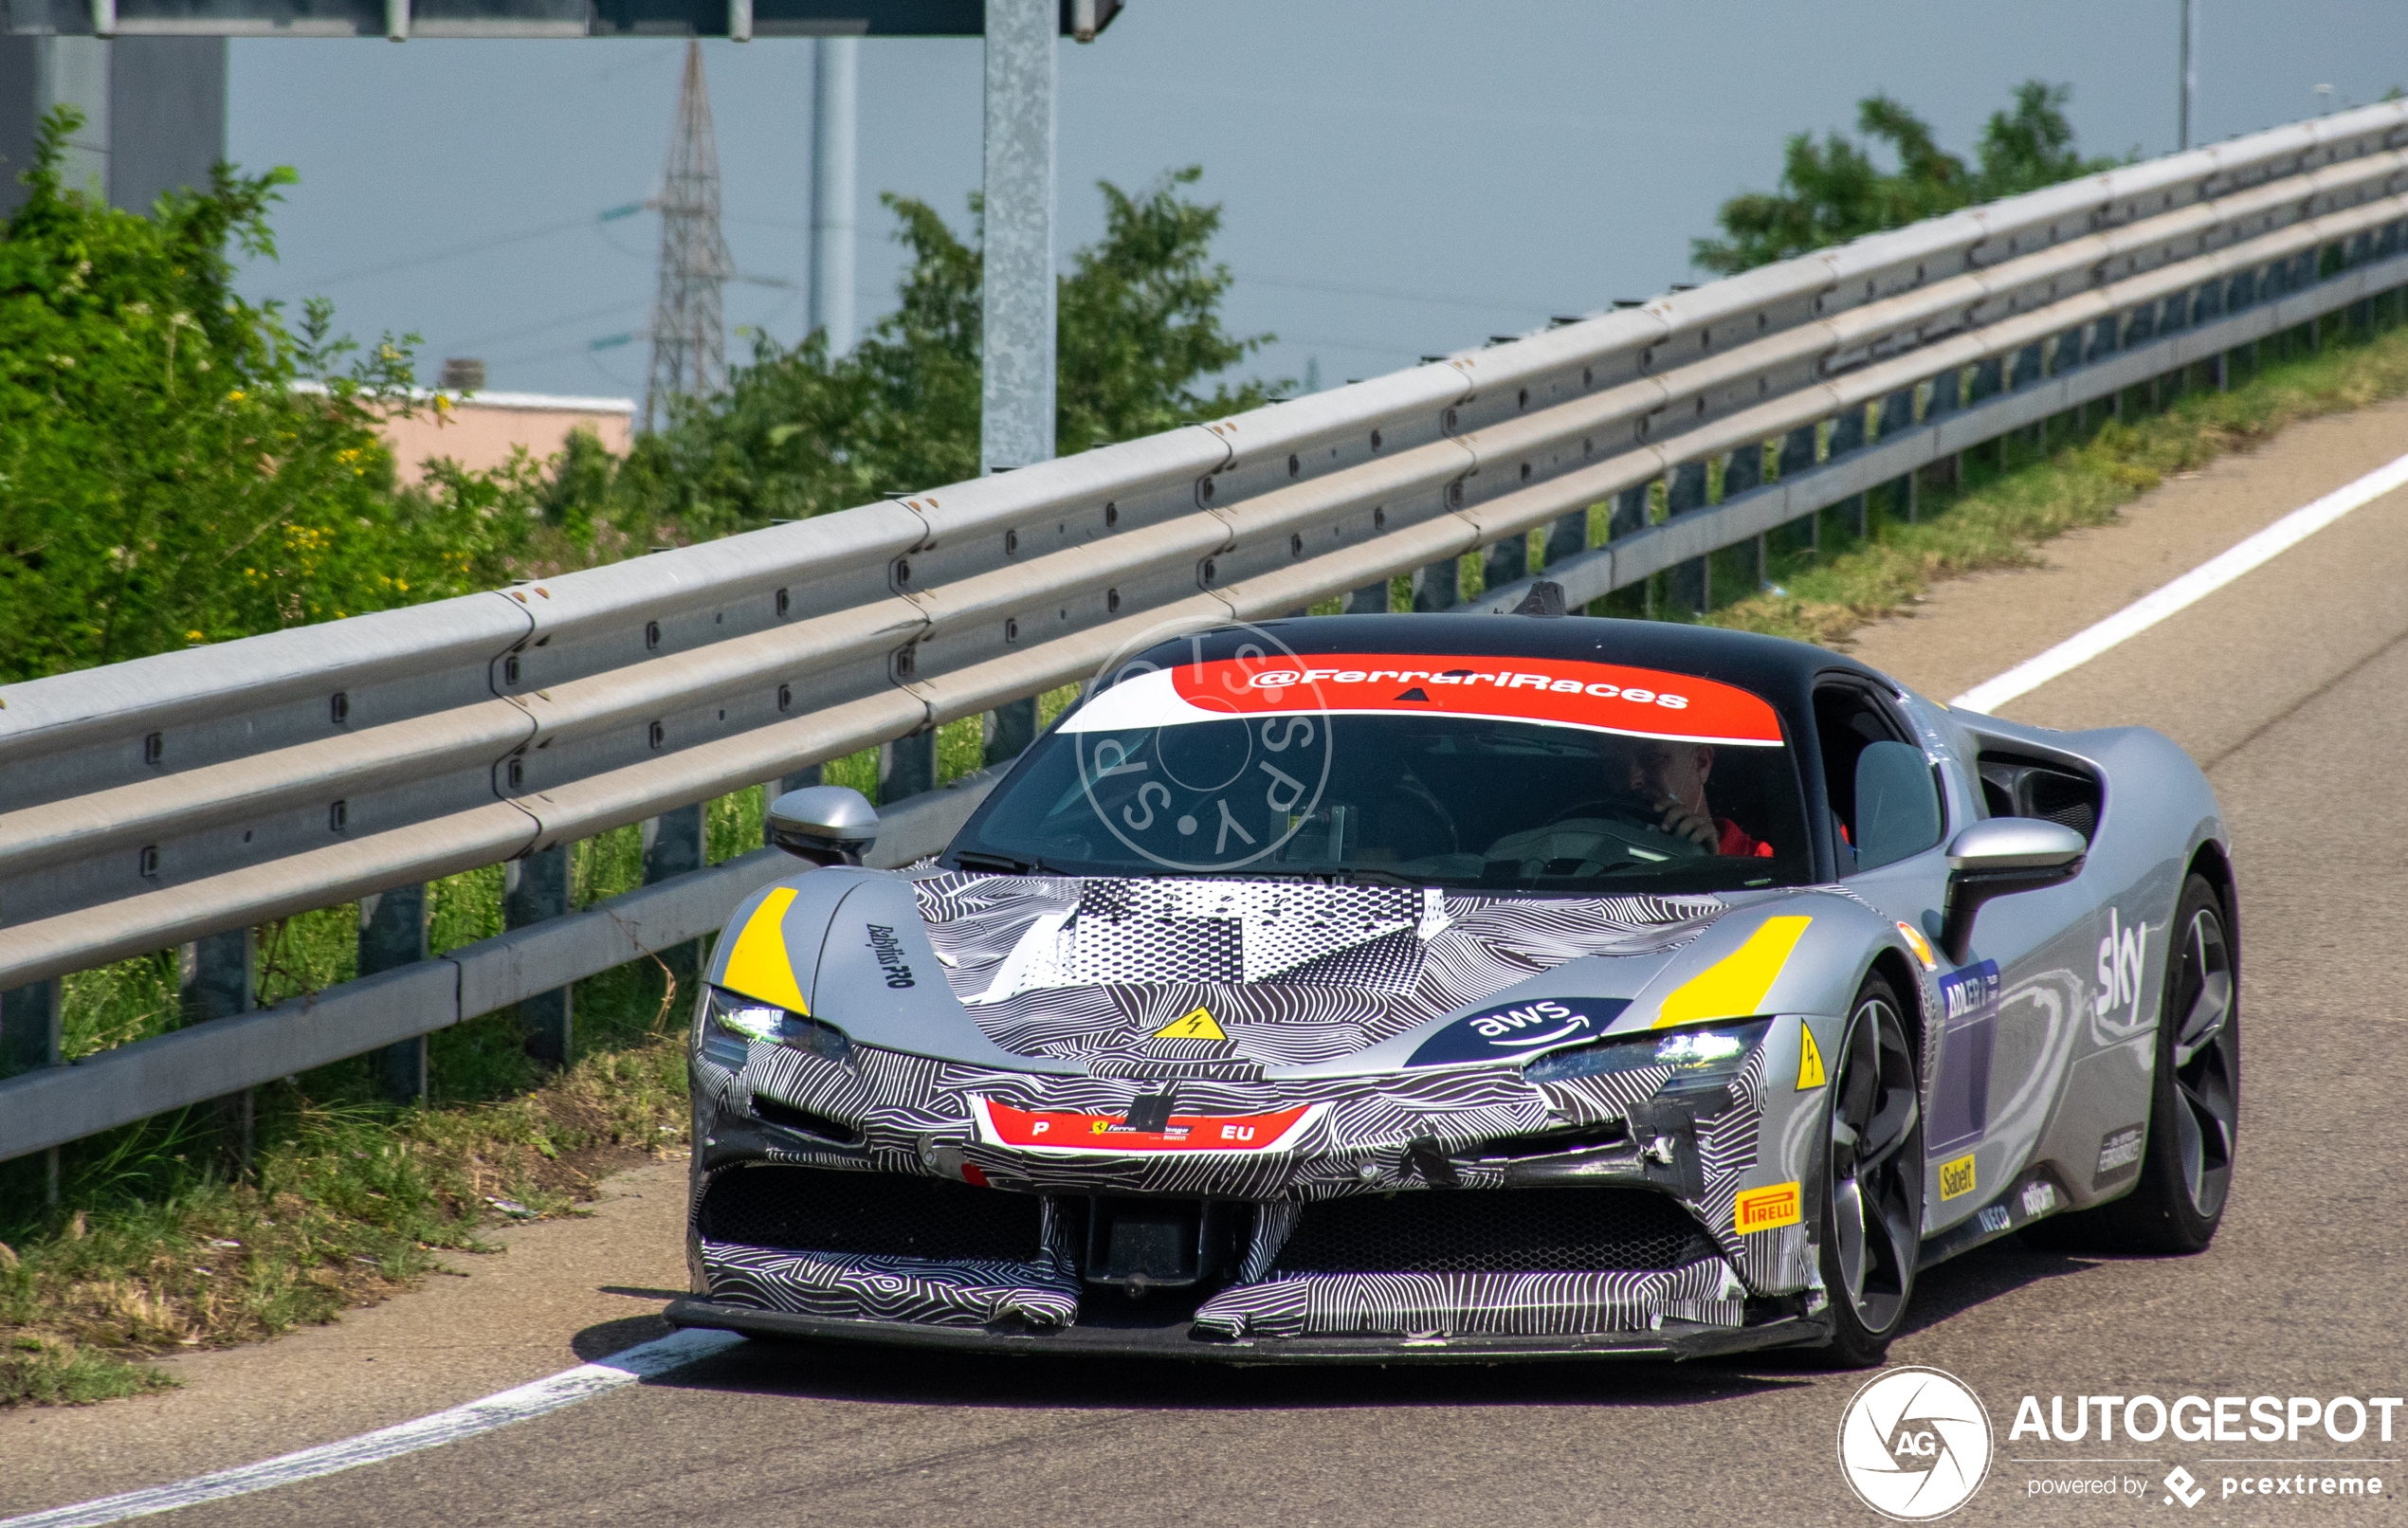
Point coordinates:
[(1551, 692), (1110, 1135)]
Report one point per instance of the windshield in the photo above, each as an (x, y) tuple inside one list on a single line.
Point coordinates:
[(1517, 775)]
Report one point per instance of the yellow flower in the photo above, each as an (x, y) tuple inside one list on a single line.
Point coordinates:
[(195, 636), (235, 396)]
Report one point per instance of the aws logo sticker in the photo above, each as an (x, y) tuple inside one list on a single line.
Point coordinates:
[(2120, 959), (1516, 1030)]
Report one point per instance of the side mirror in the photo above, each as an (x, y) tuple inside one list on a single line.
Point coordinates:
[(1999, 858), (823, 824)]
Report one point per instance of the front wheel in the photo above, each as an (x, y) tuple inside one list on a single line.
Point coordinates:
[(2186, 1167), (1872, 1209)]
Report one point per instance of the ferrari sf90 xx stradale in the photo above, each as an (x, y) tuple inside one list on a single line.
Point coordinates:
[(1393, 987)]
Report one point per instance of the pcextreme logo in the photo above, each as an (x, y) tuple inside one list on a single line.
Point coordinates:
[(1914, 1444)]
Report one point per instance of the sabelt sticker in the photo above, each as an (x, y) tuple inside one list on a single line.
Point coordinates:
[(1108, 1135), (1552, 692), (1956, 1178), (1766, 1209)]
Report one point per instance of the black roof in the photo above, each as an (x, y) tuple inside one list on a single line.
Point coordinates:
[(1777, 668)]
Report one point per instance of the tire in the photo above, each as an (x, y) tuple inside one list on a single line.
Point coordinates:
[(1871, 1183), (2186, 1165)]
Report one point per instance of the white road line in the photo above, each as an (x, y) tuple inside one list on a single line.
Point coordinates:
[(564, 1389), (2191, 587)]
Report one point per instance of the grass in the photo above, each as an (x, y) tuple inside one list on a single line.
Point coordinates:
[(162, 1243)]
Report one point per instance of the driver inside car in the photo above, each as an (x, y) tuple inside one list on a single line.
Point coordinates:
[(1671, 777), (1657, 782)]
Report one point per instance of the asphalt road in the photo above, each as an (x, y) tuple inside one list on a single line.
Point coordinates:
[(2286, 686)]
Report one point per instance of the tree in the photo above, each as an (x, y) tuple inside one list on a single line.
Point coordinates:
[(798, 432), (179, 466), (1832, 191)]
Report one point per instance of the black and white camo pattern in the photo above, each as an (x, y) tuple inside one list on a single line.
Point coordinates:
[(1089, 971), (1451, 1304), (1293, 972)]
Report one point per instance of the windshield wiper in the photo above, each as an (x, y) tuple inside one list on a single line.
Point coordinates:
[(980, 859)]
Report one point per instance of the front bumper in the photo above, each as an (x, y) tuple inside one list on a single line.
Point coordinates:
[(1181, 1339)]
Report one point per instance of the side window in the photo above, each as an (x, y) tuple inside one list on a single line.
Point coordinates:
[(1883, 796)]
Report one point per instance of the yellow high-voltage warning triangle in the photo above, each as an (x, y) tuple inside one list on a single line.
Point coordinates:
[(1196, 1024), (1810, 1061)]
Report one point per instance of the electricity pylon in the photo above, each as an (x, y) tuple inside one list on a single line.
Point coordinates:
[(690, 339)]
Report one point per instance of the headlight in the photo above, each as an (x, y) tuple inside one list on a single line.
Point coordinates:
[(729, 1021), (1700, 1059)]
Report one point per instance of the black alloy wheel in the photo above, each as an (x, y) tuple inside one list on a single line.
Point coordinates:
[(1872, 1179), (2186, 1168)]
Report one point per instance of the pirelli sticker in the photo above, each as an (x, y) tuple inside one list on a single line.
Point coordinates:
[(1766, 1209)]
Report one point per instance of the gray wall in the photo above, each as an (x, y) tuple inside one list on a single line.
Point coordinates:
[(155, 110)]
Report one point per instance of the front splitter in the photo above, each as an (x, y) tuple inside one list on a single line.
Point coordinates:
[(1673, 1339)]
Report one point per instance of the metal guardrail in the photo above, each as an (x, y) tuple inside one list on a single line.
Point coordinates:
[(154, 802)]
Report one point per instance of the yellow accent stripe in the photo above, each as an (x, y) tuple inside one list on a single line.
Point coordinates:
[(1734, 987), (758, 966)]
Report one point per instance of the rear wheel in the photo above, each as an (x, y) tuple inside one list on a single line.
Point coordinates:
[(2186, 1167), (1871, 1205)]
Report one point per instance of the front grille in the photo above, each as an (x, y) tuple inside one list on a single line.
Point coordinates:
[(1497, 1230), (873, 1214)]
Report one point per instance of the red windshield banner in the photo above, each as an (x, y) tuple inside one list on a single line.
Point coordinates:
[(1557, 692)]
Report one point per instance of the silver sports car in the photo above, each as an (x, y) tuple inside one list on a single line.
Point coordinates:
[(1385, 988)]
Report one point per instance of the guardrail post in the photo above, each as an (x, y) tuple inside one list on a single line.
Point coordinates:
[(1743, 470), (1568, 537), (216, 983), (1506, 561), (1371, 599), (1691, 585), (1798, 455), (1008, 729), (29, 1039), (1946, 389), (393, 932), (673, 845), (1847, 435), (1897, 414), (907, 765), (1434, 586), (1628, 518), (535, 888)]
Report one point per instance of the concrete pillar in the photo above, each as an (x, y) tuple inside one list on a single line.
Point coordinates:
[(154, 110), (535, 889), (835, 66), (673, 846), (1008, 730), (216, 983), (393, 932), (1017, 421)]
